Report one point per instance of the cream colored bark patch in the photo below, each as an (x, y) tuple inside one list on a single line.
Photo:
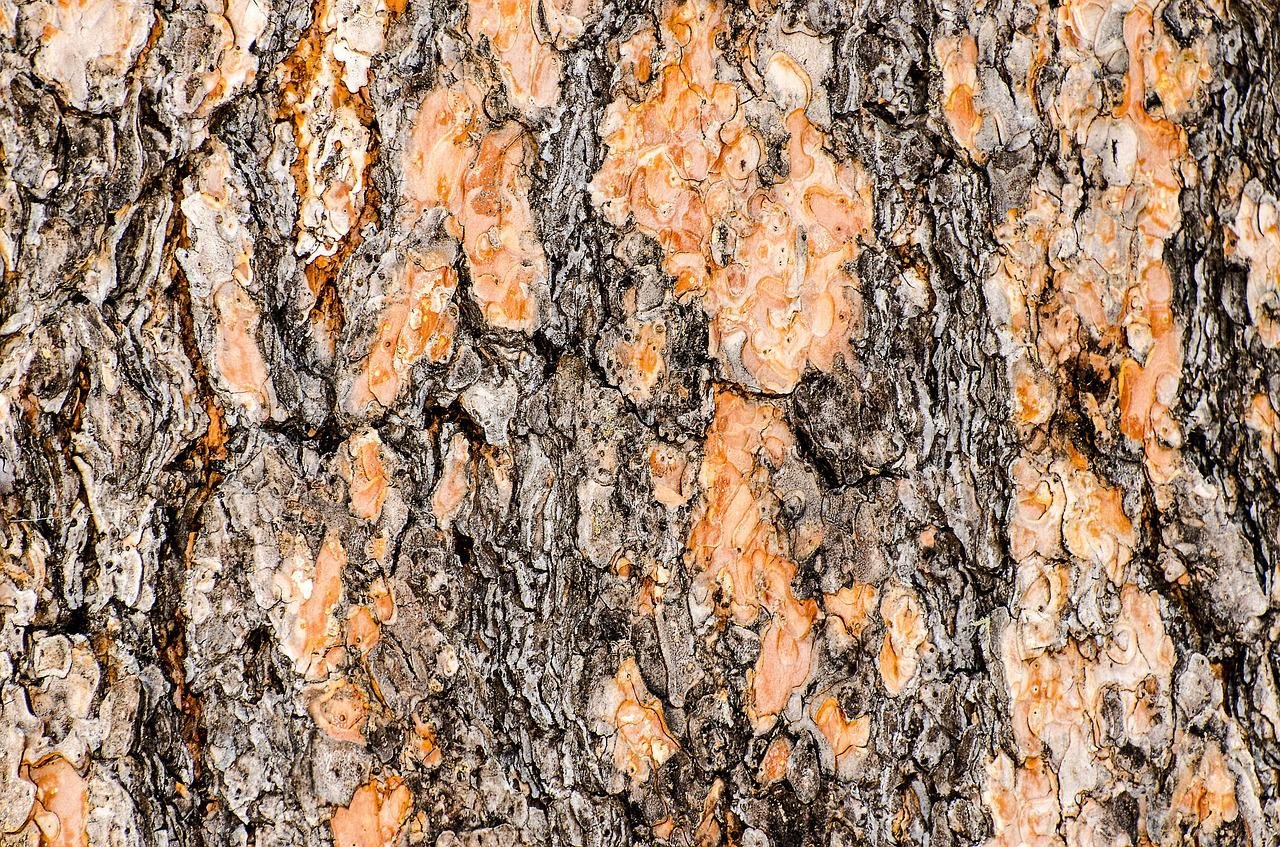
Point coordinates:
[(237, 27), (1257, 242), (87, 47)]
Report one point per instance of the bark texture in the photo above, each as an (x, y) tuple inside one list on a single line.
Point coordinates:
[(606, 422)]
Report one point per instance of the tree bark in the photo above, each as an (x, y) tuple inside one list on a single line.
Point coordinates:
[(605, 422)]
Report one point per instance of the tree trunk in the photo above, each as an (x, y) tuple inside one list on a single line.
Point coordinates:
[(605, 422)]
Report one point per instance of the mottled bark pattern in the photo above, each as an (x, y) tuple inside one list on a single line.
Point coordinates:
[(611, 422)]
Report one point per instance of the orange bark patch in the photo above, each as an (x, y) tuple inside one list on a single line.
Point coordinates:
[(904, 636), (668, 468), (238, 359), (1177, 73), (1034, 398), (1095, 527), (848, 737), (958, 57), (1146, 394), (363, 630), (424, 744), (419, 322), (314, 630), (530, 69), (1047, 695), (62, 804), (484, 188), (785, 660), (1023, 802), (636, 54), (1035, 526), (366, 476), (1068, 505), (498, 233), (787, 305), (1083, 279), (642, 741), (1042, 592), (1206, 797), (641, 360), (454, 484), (566, 20), (322, 85), (381, 600), (1262, 419), (850, 608), (1159, 145), (708, 833), (735, 543), (341, 710), (769, 261), (220, 260), (1108, 274), (774, 765), (377, 813), (441, 149), (676, 133), (737, 549), (1059, 699), (1137, 663)]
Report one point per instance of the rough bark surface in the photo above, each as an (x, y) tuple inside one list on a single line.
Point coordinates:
[(606, 422)]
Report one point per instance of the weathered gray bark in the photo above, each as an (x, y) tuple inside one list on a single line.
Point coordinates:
[(325, 519)]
